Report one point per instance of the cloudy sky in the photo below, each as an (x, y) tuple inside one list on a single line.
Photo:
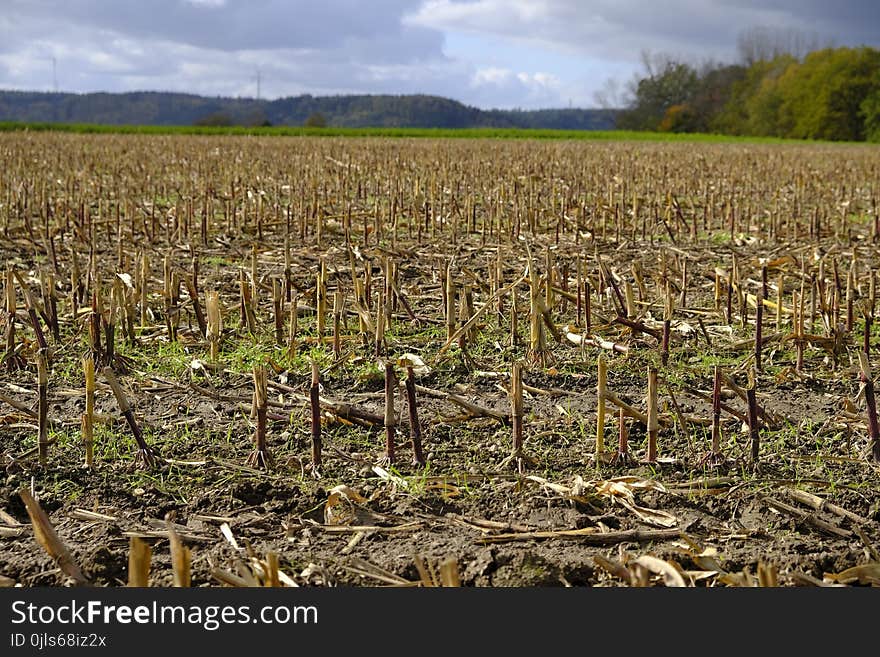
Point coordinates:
[(486, 53)]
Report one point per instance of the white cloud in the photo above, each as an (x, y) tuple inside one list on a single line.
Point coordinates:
[(503, 88), (207, 4)]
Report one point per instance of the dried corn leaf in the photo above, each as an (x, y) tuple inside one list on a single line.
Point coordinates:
[(650, 516), (668, 570), (445, 489), (226, 530), (343, 507), (866, 574), (391, 478), (415, 362), (575, 492)]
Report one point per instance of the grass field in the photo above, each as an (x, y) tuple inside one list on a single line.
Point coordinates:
[(430, 133)]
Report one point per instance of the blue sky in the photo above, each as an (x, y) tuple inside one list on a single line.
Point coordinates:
[(486, 53)]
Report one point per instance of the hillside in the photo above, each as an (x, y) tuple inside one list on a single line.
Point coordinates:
[(162, 108)]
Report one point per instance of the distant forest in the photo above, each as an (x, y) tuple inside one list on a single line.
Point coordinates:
[(354, 111)]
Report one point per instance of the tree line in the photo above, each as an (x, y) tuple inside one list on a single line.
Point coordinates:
[(789, 90)]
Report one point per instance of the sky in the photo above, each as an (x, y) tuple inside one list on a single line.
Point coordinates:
[(485, 53)]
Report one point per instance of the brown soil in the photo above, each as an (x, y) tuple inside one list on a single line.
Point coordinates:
[(806, 513)]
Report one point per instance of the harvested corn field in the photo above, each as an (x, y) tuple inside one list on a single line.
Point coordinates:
[(248, 361)]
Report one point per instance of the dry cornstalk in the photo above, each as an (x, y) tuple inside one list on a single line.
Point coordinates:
[(293, 326), (146, 455), (246, 304), (31, 306), (272, 578), (653, 425), (337, 323), (181, 558), (88, 418), (321, 301), (139, 555), (12, 359), (390, 416), (168, 298), (144, 277), (871, 403), (415, 428), (43, 406), (214, 324), (516, 406), (315, 405), (601, 392), (192, 288), (622, 457), (780, 289), (754, 422), (49, 540), (759, 320), (260, 457), (278, 310), (379, 337), (714, 454), (537, 339), (450, 304)]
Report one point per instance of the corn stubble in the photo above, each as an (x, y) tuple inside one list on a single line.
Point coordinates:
[(656, 279)]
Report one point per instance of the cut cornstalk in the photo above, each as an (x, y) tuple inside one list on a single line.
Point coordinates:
[(214, 327), (871, 404), (31, 306), (246, 304), (321, 301), (716, 411), (43, 406), (518, 455), (780, 287), (315, 405), (144, 276), (293, 326), (664, 343), (88, 418), (450, 305), (50, 304), (516, 407), (139, 555), (12, 359), (537, 339), (754, 422), (759, 318), (622, 457), (653, 424), (415, 429), (168, 297), (192, 288), (390, 416), (337, 323), (278, 310), (600, 406), (146, 455), (799, 333), (260, 457), (379, 337), (181, 558)]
